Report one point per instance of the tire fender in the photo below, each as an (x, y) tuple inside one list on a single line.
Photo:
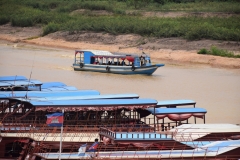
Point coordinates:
[(81, 65), (133, 68), (108, 68)]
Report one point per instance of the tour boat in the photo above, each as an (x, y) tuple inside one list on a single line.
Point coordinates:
[(107, 62), (128, 127)]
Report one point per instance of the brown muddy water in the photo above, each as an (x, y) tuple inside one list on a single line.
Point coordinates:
[(216, 90)]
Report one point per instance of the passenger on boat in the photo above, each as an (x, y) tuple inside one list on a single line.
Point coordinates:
[(94, 146), (93, 149), (82, 150), (109, 63)]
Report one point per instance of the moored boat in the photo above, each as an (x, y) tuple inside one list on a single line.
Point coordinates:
[(107, 62), (128, 127)]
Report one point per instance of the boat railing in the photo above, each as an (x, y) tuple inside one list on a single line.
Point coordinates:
[(133, 135), (24, 126)]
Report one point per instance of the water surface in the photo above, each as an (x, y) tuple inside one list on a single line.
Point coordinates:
[(217, 90)]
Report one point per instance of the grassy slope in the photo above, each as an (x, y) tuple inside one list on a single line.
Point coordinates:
[(56, 15)]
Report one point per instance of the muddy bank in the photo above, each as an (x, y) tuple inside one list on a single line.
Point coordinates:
[(174, 50)]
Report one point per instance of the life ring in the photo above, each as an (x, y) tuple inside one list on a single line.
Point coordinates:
[(81, 65), (133, 68), (107, 68)]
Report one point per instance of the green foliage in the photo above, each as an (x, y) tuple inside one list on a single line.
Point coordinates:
[(50, 28), (218, 52), (56, 15), (4, 20), (203, 51)]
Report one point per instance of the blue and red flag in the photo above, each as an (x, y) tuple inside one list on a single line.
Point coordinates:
[(55, 119)]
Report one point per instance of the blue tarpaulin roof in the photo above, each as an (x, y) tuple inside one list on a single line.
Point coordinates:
[(159, 111)]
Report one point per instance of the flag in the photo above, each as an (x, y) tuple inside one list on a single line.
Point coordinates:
[(55, 119)]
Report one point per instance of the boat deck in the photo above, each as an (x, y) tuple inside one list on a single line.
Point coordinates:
[(55, 137), (214, 149)]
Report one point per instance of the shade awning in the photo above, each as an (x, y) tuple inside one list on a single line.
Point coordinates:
[(178, 114)]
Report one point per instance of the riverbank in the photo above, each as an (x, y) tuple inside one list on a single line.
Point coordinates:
[(174, 50)]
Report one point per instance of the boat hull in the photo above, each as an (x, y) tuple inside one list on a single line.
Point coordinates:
[(146, 70)]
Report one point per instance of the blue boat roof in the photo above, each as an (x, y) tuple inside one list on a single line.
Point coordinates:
[(12, 78), (22, 94), (53, 84), (180, 102), (159, 111), (102, 96), (96, 104), (66, 88), (20, 83), (56, 86)]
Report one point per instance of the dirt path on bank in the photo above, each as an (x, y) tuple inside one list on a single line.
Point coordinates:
[(174, 50)]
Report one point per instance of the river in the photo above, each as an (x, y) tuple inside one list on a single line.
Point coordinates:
[(216, 90)]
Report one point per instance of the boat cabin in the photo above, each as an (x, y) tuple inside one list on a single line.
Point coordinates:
[(99, 57)]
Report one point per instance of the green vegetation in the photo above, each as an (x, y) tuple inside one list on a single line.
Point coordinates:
[(126, 16), (218, 52)]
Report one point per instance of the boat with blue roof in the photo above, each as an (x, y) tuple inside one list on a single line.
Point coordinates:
[(118, 63), (127, 126)]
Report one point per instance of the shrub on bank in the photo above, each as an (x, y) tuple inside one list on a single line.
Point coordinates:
[(4, 20), (218, 52), (50, 28)]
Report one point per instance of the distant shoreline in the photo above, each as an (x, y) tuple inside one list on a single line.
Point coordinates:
[(169, 49)]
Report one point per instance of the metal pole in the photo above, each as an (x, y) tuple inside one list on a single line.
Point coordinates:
[(60, 150)]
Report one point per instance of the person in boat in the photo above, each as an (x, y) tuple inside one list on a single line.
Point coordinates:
[(123, 63), (141, 59), (93, 149), (82, 150), (94, 146)]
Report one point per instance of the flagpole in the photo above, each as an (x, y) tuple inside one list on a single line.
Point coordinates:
[(60, 149)]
